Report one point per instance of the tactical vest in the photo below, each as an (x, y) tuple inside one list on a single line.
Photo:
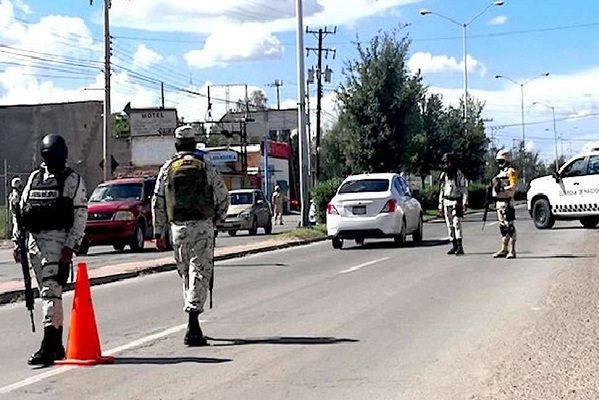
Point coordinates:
[(46, 208), (504, 180), (189, 195)]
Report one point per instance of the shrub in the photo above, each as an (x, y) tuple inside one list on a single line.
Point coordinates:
[(429, 197), (322, 193), (476, 195)]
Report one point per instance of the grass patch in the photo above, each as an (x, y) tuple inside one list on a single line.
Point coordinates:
[(318, 231)]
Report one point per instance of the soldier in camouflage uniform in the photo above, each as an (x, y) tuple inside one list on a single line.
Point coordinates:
[(505, 185), (53, 211), (453, 201), (14, 198), (190, 196)]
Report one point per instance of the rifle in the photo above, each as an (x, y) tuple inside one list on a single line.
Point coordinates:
[(211, 284), (22, 245), (488, 201)]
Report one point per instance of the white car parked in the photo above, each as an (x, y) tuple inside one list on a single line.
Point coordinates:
[(374, 206), (573, 193)]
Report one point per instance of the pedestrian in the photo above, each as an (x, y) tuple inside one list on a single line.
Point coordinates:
[(53, 210), (504, 185), (16, 186), (453, 201), (190, 196), (277, 205)]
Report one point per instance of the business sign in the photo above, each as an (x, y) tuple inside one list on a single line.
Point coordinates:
[(221, 157), (276, 149), (153, 121)]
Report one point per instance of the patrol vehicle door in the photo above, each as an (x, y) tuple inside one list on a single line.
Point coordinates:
[(572, 186)]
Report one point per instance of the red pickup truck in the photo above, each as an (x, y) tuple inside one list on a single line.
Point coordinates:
[(119, 214)]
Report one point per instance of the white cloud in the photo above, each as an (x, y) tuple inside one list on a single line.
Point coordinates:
[(145, 57), (236, 43), (499, 20), (427, 63)]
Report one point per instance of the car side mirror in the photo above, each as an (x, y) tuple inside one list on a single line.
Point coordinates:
[(260, 202)]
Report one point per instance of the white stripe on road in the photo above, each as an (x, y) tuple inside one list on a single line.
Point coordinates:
[(59, 370), (358, 267)]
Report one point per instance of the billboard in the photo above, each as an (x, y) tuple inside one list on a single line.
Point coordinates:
[(153, 121)]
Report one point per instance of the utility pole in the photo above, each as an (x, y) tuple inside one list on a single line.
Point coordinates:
[(301, 113), (107, 122), (277, 84), (162, 93), (321, 33)]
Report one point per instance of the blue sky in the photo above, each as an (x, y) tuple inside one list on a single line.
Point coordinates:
[(191, 44)]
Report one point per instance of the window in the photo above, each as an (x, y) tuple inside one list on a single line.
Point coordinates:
[(241, 199), (593, 167), (406, 188), (576, 168), (398, 187), (259, 196), (106, 193), (365, 186)]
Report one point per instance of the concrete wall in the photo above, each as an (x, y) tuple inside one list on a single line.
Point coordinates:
[(80, 123)]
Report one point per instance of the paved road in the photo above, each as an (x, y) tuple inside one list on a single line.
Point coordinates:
[(374, 322), (106, 255)]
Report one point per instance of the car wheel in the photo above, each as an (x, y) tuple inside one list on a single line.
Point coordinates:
[(400, 239), (83, 248), (542, 215), (119, 246), (419, 233), (137, 241), (232, 233), (268, 228), (337, 243), (589, 222), (254, 229)]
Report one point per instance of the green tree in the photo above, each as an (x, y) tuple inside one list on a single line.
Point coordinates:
[(120, 126), (378, 105), (257, 101)]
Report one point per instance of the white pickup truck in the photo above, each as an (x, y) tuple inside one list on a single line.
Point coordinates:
[(572, 193)]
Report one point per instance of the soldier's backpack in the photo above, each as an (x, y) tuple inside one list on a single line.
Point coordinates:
[(189, 195)]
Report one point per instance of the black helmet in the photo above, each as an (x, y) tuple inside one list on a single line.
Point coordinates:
[(54, 150)]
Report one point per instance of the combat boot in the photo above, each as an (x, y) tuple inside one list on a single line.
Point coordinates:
[(453, 250), (460, 250), (503, 252), (512, 249), (194, 336), (59, 351), (45, 355)]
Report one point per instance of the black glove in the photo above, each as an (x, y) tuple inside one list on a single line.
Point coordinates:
[(64, 271)]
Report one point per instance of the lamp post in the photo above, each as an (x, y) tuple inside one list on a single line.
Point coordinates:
[(523, 125), (554, 130), (464, 26)]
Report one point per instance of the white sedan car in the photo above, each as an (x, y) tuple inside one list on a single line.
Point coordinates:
[(374, 206)]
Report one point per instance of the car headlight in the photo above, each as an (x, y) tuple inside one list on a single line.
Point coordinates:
[(244, 214), (124, 216)]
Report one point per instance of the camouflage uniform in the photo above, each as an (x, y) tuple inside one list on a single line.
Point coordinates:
[(504, 189), (453, 196), (45, 247), (193, 241)]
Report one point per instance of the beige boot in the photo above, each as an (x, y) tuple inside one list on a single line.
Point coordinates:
[(503, 252), (512, 249)]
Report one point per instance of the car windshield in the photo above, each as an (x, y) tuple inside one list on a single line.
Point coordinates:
[(364, 186), (241, 199), (105, 193)]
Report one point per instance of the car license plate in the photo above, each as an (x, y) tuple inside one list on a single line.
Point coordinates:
[(359, 210)]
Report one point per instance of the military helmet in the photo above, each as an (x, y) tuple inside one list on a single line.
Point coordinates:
[(54, 149), (185, 132), (505, 155), (16, 183)]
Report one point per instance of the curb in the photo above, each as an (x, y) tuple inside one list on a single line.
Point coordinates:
[(17, 295)]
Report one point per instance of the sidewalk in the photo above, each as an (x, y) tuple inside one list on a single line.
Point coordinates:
[(12, 290)]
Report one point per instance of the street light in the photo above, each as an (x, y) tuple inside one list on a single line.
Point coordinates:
[(463, 25), (554, 130), (522, 84)]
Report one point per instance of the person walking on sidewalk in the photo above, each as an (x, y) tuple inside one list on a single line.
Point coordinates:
[(190, 196), (53, 211), (453, 201), (277, 205)]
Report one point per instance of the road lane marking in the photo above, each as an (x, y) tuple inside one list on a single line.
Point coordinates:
[(358, 267), (60, 370)]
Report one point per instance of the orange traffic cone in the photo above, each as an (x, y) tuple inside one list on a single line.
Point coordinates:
[(83, 347)]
